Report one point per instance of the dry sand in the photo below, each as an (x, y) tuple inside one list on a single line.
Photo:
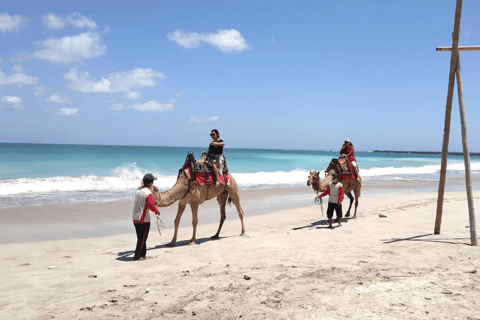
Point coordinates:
[(289, 266)]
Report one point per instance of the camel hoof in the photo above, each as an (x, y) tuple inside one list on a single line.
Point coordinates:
[(243, 234), (354, 216), (171, 244), (214, 237), (347, 215), (191, 243)]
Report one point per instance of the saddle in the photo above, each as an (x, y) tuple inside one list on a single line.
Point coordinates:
[(204, 165), (344, 167)]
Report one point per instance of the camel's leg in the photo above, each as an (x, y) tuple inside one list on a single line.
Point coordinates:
[(233, 193), (236, 202), (194, 207), (181, 208), (349, 195), (222, 201), (357, 195)]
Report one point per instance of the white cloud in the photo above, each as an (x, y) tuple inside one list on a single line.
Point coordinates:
[(180, 94), (69, 49), (150, 106), (18, 79), (56, 98), (116, 106), (56, 22), (66, 112), (154, 106), (196, 119), (115, 82), (224, 40), (11, 102), (133, 94), (17, 68), (10, 23), (63, 112), (41, 90)]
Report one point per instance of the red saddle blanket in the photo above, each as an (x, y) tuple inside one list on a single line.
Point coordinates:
[(208, 178), (346, 170)]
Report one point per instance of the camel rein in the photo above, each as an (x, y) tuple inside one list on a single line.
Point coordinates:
[(160, 223)]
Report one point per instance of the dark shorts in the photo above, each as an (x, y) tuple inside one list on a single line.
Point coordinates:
[(214, 157), (331, 208)]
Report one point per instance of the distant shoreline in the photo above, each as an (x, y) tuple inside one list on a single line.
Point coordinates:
[(427, 152)]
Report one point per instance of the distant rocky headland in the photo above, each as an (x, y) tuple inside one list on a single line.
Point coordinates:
[(428, 152)]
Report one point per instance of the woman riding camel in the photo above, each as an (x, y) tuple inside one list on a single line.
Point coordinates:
[(349, 153), (215, 151)]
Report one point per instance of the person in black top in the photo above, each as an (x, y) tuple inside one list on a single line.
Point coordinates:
[(215, 150)]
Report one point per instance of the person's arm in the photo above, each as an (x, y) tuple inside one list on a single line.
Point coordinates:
[(341, 195), (350, 152), (151, 204), (327, 192), (220, 144)]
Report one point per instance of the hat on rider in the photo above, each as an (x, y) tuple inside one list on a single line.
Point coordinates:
[(348, 140)]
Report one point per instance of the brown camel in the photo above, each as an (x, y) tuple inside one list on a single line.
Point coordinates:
[(319, 185), (349, 185), (185, 193)]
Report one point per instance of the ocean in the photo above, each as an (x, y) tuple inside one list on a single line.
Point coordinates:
[(39, 174)]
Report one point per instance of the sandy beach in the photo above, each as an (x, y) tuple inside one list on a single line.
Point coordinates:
[(289, 266)]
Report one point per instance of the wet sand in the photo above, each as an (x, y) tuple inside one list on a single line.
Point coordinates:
[(87, 220)]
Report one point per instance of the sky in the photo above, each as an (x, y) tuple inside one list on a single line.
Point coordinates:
[(266, 74)]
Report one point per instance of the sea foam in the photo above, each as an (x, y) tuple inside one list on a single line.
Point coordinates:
[(129, 178)]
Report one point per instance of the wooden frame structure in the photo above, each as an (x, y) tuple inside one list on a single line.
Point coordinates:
[(456, 72)]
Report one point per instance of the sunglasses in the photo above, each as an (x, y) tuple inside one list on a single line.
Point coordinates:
[(212, 134)]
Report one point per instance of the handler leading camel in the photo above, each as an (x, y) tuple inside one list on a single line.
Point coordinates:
[(335, 192), (186, 193)]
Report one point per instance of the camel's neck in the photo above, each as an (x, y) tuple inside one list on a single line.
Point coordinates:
[(321, 185), (177, 192)]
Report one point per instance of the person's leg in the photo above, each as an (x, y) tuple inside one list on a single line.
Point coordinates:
[(331, 207), (138, 231), (338, 211), (215, 172), (141, 240), (355, 170), (146, 231)]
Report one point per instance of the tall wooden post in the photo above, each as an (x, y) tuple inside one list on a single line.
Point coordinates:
[(466, 156), (448, 113)]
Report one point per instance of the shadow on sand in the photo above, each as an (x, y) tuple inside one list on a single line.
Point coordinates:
[(322, 224), (127, 256), (421, 238)]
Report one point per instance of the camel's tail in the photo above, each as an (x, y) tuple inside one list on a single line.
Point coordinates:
[(229, 201)]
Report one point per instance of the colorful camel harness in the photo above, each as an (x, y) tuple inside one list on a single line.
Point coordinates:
[(201, 173), (343, 168)]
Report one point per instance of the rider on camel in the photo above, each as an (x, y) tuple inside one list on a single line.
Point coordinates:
[(215, 151), (349, 153)]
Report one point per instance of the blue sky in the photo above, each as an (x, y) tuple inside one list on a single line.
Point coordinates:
[(266, 74)]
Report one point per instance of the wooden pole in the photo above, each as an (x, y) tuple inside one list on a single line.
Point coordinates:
[(466, 156), (466, 48), (448, 114)]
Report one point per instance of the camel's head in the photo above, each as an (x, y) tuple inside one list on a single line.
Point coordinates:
[(313, 177)]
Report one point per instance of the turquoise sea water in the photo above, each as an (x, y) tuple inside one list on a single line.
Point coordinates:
[(55, 174)]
